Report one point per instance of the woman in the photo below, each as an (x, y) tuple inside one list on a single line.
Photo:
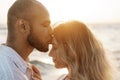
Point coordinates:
[(76, 48)]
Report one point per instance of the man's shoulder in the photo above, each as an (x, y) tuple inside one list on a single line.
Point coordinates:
[(5, 65), (4, 52), (3, 58), (2, 49)]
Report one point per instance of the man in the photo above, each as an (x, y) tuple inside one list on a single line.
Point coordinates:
[(28, 28)]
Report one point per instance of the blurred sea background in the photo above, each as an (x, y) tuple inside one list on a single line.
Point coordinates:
[(107, 33), (103, 17)]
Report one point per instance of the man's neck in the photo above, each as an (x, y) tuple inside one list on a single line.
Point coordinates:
[(22, 49)]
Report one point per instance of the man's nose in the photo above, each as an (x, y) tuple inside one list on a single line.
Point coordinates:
[(51, 33), (50, 30)]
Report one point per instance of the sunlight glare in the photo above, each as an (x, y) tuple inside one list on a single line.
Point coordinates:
[(85, 10)]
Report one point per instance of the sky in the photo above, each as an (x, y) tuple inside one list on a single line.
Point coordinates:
[(90, 11)]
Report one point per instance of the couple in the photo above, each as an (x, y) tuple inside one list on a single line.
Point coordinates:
[(74, 46)]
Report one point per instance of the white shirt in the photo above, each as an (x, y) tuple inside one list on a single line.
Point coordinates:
[(12, 66)]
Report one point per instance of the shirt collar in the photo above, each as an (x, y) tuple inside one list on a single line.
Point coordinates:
[(16, 58)]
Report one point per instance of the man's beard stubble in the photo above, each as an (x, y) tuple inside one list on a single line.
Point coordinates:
[(34, 42)]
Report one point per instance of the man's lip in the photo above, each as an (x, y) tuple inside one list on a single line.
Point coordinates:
[(50, 41)]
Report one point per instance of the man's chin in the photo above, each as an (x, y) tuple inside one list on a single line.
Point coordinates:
[(43, 50)]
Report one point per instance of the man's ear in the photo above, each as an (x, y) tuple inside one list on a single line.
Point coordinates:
[(23, 26)]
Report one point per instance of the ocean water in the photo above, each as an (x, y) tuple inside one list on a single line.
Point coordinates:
[(108, 34)]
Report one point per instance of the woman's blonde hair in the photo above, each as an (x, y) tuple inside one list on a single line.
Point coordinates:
[(85, 55)]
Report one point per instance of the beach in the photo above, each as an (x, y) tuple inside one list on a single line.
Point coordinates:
[(108, 34)]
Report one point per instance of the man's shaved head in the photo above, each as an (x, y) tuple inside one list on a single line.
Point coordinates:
[(23, 9), (25, 13)]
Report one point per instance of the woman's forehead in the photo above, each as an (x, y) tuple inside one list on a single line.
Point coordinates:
[(54, 41)]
